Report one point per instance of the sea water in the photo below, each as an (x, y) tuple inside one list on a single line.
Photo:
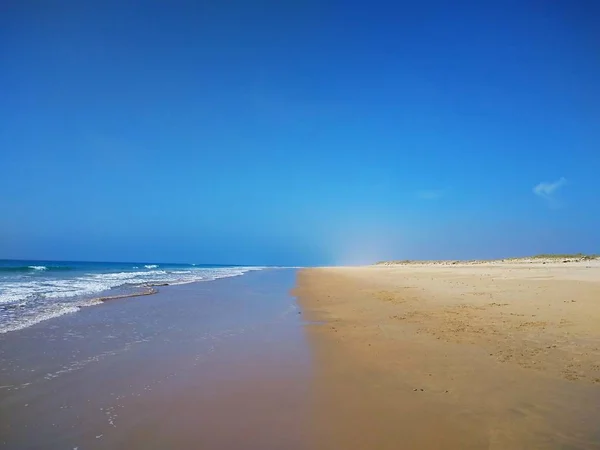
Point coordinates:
[(32, 291)]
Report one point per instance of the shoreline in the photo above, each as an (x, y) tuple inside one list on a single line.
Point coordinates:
[(148, 291), (455, 356), (211, 365), (76, 303), (386, 357)]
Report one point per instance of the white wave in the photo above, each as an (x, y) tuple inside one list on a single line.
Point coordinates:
[(90, 284), (25, 302), (38, 267), (129, 275), (151, 266), (38, 315)]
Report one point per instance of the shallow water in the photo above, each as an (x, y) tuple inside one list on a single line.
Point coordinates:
[(33, 291), (223, 364)]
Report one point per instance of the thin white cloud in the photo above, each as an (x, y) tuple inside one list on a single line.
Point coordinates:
[(430, 194), (547, 190)]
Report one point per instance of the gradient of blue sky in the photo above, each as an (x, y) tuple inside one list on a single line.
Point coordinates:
[(300, 132)]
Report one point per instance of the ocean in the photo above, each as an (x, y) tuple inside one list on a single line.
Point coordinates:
[(33, 291)]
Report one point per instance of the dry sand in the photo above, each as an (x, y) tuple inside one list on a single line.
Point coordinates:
[(497, 355)]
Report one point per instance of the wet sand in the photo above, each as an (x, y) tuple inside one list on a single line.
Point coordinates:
[(486, 356), (216, 365)]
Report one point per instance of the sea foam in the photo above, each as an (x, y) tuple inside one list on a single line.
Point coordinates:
[(29, 299)]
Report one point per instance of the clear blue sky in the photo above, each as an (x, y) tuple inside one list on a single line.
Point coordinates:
[(298, 132)]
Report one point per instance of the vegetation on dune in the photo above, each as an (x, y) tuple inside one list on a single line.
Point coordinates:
[(544, 256), (565, 256), (404, 261)]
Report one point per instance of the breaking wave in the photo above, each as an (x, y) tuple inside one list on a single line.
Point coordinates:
[(30, 298)]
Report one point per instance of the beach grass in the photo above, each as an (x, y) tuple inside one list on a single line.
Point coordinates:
[(565, 256), (535, 258)]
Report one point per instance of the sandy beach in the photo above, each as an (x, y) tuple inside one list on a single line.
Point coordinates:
[(437, 355), (482, 355)]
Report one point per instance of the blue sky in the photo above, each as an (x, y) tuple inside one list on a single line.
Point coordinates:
[(305, 132)]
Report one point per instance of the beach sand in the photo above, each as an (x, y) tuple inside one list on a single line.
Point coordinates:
[(497, 355), (418, 356)]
